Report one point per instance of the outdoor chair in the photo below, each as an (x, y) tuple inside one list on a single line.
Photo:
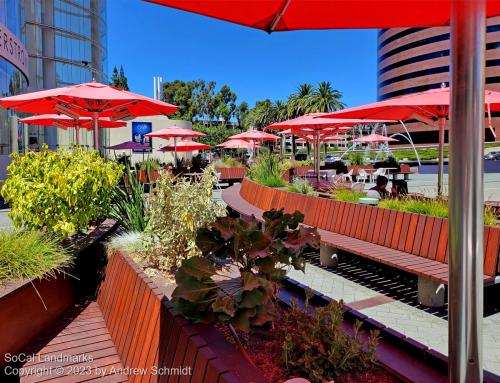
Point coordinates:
[(378, 172), (347, 176), (363, 175)]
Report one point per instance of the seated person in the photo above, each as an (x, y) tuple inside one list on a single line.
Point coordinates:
[(379, 191)]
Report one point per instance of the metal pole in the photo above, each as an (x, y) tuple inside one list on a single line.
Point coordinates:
[(175, 152), (77, 135), (442, 122), (95, 119), (468, 25), (317, 155)]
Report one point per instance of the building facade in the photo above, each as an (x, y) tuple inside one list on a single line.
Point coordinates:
[(417, 59), (66, 43)]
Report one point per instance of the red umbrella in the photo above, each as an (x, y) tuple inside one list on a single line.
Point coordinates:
[(254, 135), (431, 106), (65, 122), (287, 15), (175, 132), (316, 122), (374, 139), (236, 144), (185, 146), (88, 100)]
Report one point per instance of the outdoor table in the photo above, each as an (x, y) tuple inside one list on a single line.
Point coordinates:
[(192, 176), (325, 174), (392, 173)]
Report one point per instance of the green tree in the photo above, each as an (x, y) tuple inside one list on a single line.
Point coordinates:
[(298, 103), (241, 114), (203, 94), (225, 104), (123, 79), (180, 93), (115, 79), (214, 134), (325, 98)]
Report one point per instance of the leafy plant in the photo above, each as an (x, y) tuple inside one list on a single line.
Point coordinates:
[(176, 210), (316, 347), (59, 191), (30, 254), (357, 158), (300, 185), (227, 162), (268, 170), (128, 203), (347, 195), (149, 165), (261, 257), (434, 207)]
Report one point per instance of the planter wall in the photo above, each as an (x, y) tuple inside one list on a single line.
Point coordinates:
[(23, 314), (148, 332), (232, 173), (418, 234)]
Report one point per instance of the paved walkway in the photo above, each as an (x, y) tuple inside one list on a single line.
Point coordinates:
[(4, 218), (413, 322)]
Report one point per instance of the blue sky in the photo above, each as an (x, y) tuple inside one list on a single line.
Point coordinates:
[(151, 40)]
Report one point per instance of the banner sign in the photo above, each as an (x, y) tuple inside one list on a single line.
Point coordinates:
[(12, 50), (139, 129)]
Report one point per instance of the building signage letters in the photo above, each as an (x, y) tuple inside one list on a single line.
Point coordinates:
[(12, 50)]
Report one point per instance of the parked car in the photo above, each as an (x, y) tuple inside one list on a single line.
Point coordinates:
[(492, 156)]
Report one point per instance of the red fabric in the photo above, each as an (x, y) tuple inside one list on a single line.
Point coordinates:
[(374, 138), (185, 146), (68, 122), (325, 14), (430, 104), (318, 121), (175, 131), (254, 135), (237, 144), (325, 138), (85, 99)]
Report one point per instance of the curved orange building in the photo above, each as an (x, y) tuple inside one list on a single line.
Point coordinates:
[(417, 59)]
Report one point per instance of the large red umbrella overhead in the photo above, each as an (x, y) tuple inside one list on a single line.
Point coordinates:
[(64, 122), (175, 132), (185, 146), (88, 100), (236, 144), (374, 139), (287, 15)]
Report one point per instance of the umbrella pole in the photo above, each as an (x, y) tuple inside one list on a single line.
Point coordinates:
[(466, 209), (175, 152), (441, 123), (317, 155), (77, 135), (96, 130)]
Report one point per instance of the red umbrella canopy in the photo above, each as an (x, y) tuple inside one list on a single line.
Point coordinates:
[(236, 144), (430, 104), (255, 135), (175, 132), (185, 146), (286, 15), (63, 121), (374, 138), (86, 100), (325, 138), (317, 122)]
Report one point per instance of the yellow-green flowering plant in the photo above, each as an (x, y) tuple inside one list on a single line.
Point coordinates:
[(59, 191)]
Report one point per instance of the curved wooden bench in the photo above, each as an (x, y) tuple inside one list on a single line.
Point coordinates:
[(415, 243), (234, 174)]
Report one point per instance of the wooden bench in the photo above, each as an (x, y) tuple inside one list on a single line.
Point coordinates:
[(415, 243), (130, 333), (232, 174)]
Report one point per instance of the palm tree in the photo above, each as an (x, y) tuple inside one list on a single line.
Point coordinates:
[(325, 98), (299, 102), (280, 111)]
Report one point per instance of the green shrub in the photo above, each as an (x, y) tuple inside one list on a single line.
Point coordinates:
[(432, 207), (149, 165), (175, 211), (301, 186), (128, 204), (318, 348), (227, 162), (357, 158), (261, 257), (59, 191), (268, 170), (30, 254), (347, 195)]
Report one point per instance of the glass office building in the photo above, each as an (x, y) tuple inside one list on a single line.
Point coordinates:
[(66, 44)]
